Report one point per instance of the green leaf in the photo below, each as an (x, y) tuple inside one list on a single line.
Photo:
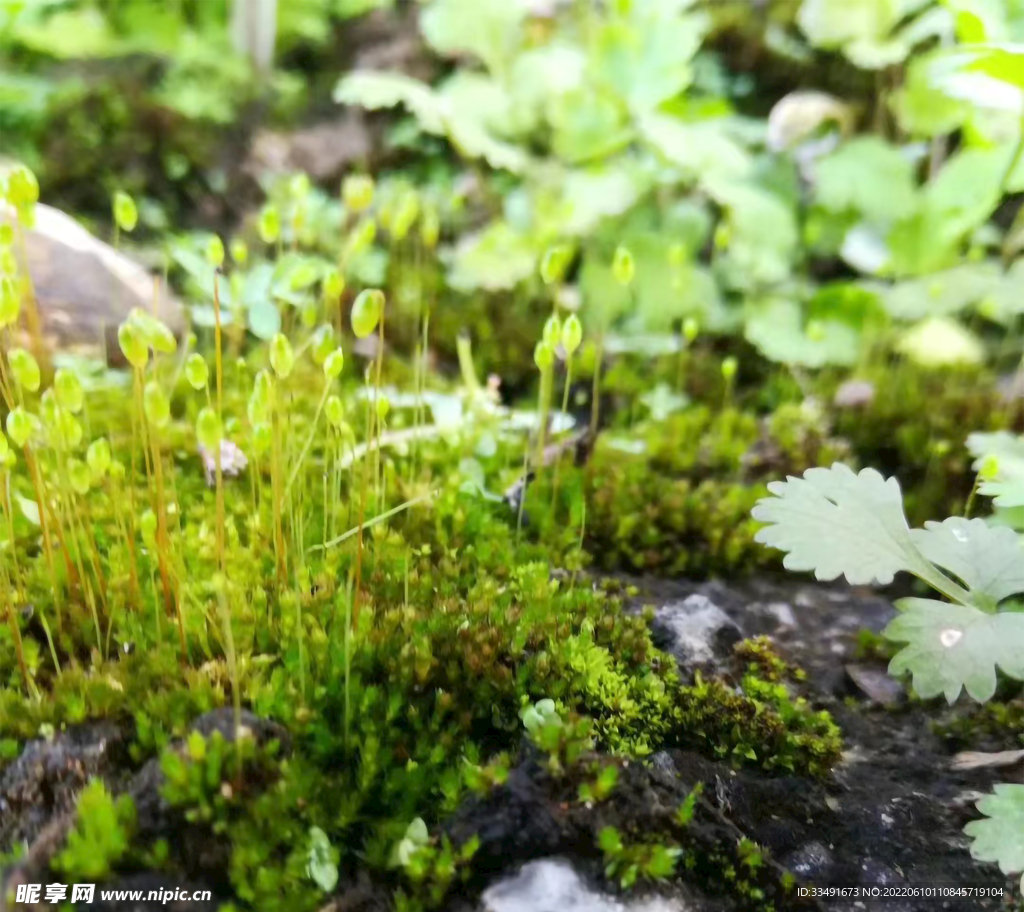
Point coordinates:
[(321, 867), (868, 176), (943, 293), (839, 523), (698, 149), (950, 647), (923, 109), (940, 341), (833, 23), (488, 29), (264, 319), (374, 90), (1008, 486), (29, 508), (776, 326), (644, 56), (1000, 838), (762, 231), (587, 126), (989, 561), (494, 259)]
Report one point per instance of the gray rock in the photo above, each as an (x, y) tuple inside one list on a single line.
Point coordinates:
[(875, 683), (553, 885), (697, 632), (811, 862), (85, 288), (872, 873)]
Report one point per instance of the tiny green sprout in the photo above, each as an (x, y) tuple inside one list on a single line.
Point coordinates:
[(282, 357), (25, 369), (22, 188), (80, 476), (133, 346), (299, 186), (197, 372), (6, 235), (323, 343), (335, 411), (383, 407), (540, 714), (126, 216), (156, 405), (153, 331), (357, 192), (117, 470), (677, 255), (989, 470), (543, 355), (5, 447), (97, 456), (68, 390), (215, 252), (366, 312), (555, 263), (333, 286), (552, 332), (690, 329), (262, 438), (259, 399), (269, 224), (49, 410), (10, 301), (147, 526), (430, 227), (308, 314), (623, 266), (208, 430), (70, 429), (333, 364), (815, 330), (361, 238), (572, 334), (239, 252), (729, 366), (406, 213), (21, 425)]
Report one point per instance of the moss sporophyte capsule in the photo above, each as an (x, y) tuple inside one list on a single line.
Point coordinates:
[(366, 312), (24, 368)]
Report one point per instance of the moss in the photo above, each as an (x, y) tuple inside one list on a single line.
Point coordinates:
[(996, 725), (761, 721)]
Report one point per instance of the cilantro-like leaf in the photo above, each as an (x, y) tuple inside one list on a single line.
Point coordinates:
[(1000, 836), (839, 523), (950, 647), (1008, 449), (989, 560)]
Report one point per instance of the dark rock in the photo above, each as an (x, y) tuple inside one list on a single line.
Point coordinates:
[(875, 874), (812, 862), (663, 763), (53, 773), (45, 780), (514, 823), (876, 684), (697, 632)]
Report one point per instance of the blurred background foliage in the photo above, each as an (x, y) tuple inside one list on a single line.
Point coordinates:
[(828, 179)]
